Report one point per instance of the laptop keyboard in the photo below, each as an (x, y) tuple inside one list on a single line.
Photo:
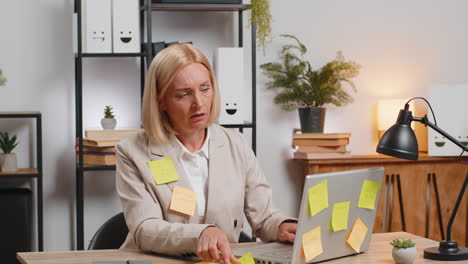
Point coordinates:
[(278, 256)]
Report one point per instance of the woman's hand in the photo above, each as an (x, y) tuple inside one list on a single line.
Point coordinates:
[(287, 231), (213, 245)]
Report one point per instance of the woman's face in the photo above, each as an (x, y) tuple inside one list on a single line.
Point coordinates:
[(188, 99)]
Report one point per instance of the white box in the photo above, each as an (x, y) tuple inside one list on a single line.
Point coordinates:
[(449, 104), (229, 70), (96, 26), (125, 26)]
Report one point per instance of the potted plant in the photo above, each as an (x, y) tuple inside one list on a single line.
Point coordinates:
[(404, 251), (8, 161), (308, 90), (2, 78), (109, 121)]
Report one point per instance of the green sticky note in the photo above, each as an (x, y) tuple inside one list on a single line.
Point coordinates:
[(318, 197), (163, 170), (247, 258), (340, 216), (368, 194)]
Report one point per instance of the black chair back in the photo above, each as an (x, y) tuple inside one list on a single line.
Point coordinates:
[(111, 234)]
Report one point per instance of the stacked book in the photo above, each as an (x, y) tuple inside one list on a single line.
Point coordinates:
[(99, 146), (321, 145)]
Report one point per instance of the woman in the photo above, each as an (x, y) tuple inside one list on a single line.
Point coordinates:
[(180, 104)]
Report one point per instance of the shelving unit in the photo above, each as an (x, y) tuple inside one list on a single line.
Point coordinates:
[(147, 7), (31, 173)]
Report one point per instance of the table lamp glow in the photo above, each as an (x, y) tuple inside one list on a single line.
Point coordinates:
[(400, 141)]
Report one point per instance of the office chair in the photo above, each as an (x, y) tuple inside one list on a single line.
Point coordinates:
[(113, 232)]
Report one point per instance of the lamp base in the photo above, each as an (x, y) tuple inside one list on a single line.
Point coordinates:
[(447, 250)]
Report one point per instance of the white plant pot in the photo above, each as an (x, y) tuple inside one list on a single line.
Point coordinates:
[(404, 255), (8, 162), (108, 123)]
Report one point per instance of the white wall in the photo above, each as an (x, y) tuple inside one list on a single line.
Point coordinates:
[(402, 45)]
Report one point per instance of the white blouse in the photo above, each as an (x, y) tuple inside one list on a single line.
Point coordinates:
[(195, 165)]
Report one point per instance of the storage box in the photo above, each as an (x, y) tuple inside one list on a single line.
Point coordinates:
[(229, 71), (125, 26), (96, 26), (449, 105)]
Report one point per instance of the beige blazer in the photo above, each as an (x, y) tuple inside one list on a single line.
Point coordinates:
[(236, 186)]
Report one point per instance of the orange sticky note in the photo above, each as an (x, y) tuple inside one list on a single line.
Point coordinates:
[(318, 197), (368, 194), (312, 244), (163, 170), (340, 214), (183, 200), (357, 235)]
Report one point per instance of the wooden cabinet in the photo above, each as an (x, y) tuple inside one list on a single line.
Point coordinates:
[(423, 208)]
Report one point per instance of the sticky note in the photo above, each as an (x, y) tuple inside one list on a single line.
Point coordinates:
[(163, 170), (357, 235), (368, 194), (318, 197), (312, 244), (339, 219), (247, 258), (183, 200)]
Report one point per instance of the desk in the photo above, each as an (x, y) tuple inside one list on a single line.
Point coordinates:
[(380, 251), (424, 211)]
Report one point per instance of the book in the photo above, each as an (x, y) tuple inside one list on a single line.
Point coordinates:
[(321, 135), (321, 149), (309, 155), (321, 142), (109, 134), (99, 143), (91, 158)]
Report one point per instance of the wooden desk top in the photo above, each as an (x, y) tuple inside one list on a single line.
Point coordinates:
[(380, 251)]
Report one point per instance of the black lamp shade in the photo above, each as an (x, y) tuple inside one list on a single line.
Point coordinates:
[(399, 140)]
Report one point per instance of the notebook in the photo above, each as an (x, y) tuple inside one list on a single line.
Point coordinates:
[(358, 191)]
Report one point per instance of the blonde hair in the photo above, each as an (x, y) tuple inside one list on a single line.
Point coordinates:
[(162, 71)]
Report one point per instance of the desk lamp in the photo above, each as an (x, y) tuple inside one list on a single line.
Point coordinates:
[(400, 141)]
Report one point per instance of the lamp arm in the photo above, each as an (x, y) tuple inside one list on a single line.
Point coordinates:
[(426, 122)]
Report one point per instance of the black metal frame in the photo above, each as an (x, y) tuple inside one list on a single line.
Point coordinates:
[(38, 175), (146, 9)]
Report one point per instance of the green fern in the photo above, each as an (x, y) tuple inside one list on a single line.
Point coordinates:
[(301, 86), (7, 144), (402, 243), (108, 112)]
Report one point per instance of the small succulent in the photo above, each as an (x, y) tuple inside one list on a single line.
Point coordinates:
[(402, 243), (7, 144), (108, 112)]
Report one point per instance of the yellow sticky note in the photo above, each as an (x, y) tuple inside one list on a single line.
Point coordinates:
[(357, 235), (340, 213), (368, 194), (163, 170), (247, 258), (312, 244), (183, 200), (318, 197)]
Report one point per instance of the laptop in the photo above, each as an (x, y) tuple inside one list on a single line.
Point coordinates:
[(342, 186)]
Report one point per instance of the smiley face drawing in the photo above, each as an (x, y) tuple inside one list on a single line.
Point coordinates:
[(98, 35), (125, 36), (231, 108)]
